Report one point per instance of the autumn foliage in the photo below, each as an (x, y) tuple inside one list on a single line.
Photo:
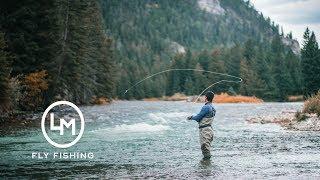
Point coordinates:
[(35, 84)]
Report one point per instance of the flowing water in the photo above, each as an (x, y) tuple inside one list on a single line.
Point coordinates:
[(138, 139)]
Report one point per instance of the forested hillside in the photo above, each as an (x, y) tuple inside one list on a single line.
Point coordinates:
[(230, 37), (83, 50), (54, 50)]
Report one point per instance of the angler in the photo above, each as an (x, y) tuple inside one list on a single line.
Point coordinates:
[(204, 119)]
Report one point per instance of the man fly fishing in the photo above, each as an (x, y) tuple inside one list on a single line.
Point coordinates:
[(204, 119)]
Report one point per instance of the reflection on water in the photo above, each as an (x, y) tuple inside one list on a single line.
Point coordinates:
[(205, 163), (152, 139)]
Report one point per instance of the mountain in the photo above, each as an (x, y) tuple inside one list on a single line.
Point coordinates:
[(148, 34), (202, 24)]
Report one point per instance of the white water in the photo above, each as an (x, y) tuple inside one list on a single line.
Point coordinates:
[(134, 128)]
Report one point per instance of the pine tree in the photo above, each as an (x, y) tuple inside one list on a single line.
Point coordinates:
[(283, 79), (176, 80), (282, 75), (29, 34), (293, 64), (232, 59), (249, 50), (200, 80), (251, 84), (189, 86), (310, 63), (84, 65), (190, 63), (216, 64)]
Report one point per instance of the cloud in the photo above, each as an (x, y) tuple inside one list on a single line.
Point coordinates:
[(293, 15), (275, 2)]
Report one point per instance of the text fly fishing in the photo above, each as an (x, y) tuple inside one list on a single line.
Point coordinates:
[(239, 80)]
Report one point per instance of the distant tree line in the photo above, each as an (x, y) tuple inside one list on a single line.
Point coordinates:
[(270, 73)]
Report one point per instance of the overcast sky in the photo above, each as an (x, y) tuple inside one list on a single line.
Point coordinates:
[(293, 15)]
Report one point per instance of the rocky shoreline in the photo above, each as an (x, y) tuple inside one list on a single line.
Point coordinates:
[(15, 122), (290, 120)]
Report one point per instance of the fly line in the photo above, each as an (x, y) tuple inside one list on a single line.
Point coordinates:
[(235, 79)]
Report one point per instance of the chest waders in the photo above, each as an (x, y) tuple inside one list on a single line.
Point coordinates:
[(206, 136)]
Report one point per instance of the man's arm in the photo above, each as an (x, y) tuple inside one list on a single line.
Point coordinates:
[(201, 114)]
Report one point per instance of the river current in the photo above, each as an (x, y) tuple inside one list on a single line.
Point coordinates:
[(136, 139)]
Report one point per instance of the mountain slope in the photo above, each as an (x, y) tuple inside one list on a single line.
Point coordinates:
[(152, 25), (148, 34)]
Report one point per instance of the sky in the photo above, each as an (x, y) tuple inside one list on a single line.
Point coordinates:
[(292, 15)]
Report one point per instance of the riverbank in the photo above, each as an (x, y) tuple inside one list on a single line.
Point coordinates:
[(15, 121), (306, 120), (290, 121), (18, 118)]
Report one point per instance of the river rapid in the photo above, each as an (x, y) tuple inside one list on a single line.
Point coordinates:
[(137, 139)]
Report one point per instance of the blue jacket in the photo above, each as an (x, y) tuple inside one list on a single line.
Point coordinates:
[(206, 111)]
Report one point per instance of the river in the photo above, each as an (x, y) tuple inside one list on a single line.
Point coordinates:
[(136, 139)]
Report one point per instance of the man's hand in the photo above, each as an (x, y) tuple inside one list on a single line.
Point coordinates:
[(189, 117)]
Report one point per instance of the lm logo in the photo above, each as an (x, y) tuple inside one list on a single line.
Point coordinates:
[(62, 124)]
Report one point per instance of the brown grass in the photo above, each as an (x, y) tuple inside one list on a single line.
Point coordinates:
[(101, 100), (151, 99), (295, 98), (312, 105), (225, 98)]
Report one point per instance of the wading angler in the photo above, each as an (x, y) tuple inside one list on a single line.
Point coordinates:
[(204, 119)]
